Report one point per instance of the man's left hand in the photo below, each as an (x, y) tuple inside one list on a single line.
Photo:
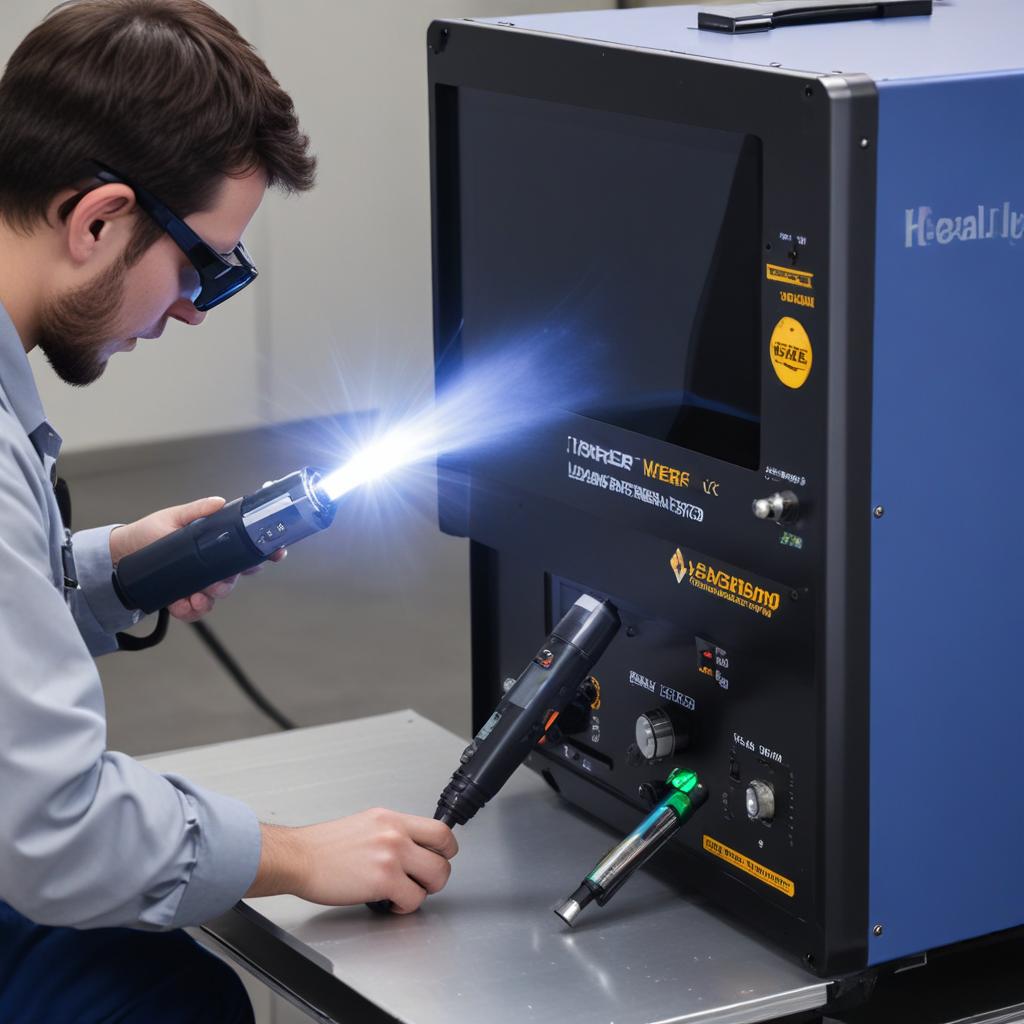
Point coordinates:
[(126, 539)]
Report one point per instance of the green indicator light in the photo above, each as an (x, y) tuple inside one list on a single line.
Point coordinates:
[(683, 780), (683, 783)]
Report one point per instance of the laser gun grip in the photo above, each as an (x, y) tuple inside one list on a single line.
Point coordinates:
[(184, 562)]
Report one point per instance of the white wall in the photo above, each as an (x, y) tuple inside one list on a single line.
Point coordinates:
[(189, 382), (340, 317)]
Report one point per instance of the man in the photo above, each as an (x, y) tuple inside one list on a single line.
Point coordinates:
[(137, 139)]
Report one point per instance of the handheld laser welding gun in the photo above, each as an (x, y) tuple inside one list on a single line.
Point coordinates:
[(249, 530), (529, 708), (527, 712), (241, 535)]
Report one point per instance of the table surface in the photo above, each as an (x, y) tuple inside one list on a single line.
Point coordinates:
[(488, 948)]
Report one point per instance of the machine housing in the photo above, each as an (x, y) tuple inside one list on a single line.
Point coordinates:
[(788, 262)]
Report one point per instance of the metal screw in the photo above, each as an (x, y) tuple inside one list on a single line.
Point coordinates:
[(864, 143), (877, 930), (879, 511), (775, 64), (631, 631)]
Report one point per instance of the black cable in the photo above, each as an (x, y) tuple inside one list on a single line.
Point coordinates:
[(233, 669), (128, 642)]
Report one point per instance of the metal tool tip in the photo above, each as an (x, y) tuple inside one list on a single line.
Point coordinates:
[(568, 911)]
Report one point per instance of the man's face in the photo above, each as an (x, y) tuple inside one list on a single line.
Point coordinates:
[(81, 329)]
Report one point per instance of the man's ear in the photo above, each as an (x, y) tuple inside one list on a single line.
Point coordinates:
[(100, 223)]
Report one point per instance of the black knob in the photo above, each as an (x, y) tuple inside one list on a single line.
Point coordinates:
[(655, 735)]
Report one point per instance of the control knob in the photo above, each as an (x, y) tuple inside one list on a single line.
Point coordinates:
[(780, 507), (655, 736), (760, 801)]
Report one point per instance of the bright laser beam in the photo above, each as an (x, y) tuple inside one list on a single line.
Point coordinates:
[(399, 447), (492, 400)]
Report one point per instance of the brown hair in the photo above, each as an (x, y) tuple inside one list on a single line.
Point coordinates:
[(165, 91)]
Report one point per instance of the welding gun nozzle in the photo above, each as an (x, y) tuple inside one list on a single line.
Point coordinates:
[(570, 909)]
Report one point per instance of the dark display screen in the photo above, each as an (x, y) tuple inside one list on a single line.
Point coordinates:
[(629, 248)]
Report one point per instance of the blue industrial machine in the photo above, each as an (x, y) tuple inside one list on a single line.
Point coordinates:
[(774, 270)]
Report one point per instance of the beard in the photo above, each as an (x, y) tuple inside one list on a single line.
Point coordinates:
[(76, 329)]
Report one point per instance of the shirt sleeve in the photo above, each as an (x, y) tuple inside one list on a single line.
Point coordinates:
[(90, 838), (97, 609)]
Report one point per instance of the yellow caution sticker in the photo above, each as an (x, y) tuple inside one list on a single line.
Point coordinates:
[(751, 867), (787, 275), (726, 584), (791, 352)]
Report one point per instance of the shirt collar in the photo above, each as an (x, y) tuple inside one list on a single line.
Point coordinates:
[(19, 387)]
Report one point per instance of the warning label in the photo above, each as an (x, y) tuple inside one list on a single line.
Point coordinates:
[(727, 585), (751, 867), (791, 352), (787, 275)]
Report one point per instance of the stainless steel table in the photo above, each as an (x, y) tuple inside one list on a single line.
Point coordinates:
[(488, 948)]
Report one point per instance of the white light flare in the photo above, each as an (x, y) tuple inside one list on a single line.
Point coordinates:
[(399, 447), (495, 401)]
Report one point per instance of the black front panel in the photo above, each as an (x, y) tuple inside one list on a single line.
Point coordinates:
[(653, 233)]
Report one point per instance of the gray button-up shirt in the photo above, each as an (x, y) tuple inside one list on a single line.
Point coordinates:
[(88, 837)]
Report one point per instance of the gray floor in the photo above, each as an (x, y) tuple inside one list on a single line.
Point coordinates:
[(369, 616)]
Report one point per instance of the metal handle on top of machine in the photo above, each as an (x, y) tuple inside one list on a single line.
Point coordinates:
[(527, 711), (762, 17), (240, 536), (685, 796)]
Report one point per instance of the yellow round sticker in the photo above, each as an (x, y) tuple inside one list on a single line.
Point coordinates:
[(791, 352)]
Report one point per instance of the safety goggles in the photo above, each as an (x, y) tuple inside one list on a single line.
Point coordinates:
[(221, 275)]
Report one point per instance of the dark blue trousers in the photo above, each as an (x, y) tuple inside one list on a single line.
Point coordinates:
[(113, 976)]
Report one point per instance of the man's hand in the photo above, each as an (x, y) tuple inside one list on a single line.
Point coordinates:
[(126, 539), (374, 855)]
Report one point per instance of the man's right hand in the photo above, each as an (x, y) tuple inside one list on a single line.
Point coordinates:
[(370, 856)]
